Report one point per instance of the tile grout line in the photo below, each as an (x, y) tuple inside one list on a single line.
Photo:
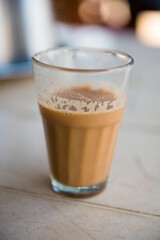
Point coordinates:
[(76, 200)]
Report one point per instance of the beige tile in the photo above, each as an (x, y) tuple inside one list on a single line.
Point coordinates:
[(134, 181), (22, 148), (146, 68), (25, 216), (142, 108), (143, 98)]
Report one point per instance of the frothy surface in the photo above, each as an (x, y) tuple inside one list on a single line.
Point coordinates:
[(83, 99)]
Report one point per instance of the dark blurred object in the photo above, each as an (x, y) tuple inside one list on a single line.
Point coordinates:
[(141, 5), (26, 26), (114, 13), (66, 10)]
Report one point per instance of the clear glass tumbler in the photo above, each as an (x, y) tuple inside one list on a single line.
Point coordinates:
[(81, 96)]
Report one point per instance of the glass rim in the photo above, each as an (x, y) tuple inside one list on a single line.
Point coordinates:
[(100, 50)]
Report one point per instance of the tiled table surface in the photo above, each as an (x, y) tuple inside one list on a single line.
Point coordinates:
[(129, 208)]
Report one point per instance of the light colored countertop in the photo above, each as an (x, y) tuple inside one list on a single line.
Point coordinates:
[(129, 208)]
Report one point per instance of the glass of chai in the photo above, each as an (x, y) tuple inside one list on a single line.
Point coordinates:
[(81, 96)]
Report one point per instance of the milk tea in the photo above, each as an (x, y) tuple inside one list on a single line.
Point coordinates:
[(81, 126)]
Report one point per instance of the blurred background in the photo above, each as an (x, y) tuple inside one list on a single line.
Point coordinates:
[(28, 26)]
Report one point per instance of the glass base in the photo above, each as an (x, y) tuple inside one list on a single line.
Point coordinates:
[(78, 191)]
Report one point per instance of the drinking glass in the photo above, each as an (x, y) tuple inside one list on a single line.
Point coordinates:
[(81, 95)]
